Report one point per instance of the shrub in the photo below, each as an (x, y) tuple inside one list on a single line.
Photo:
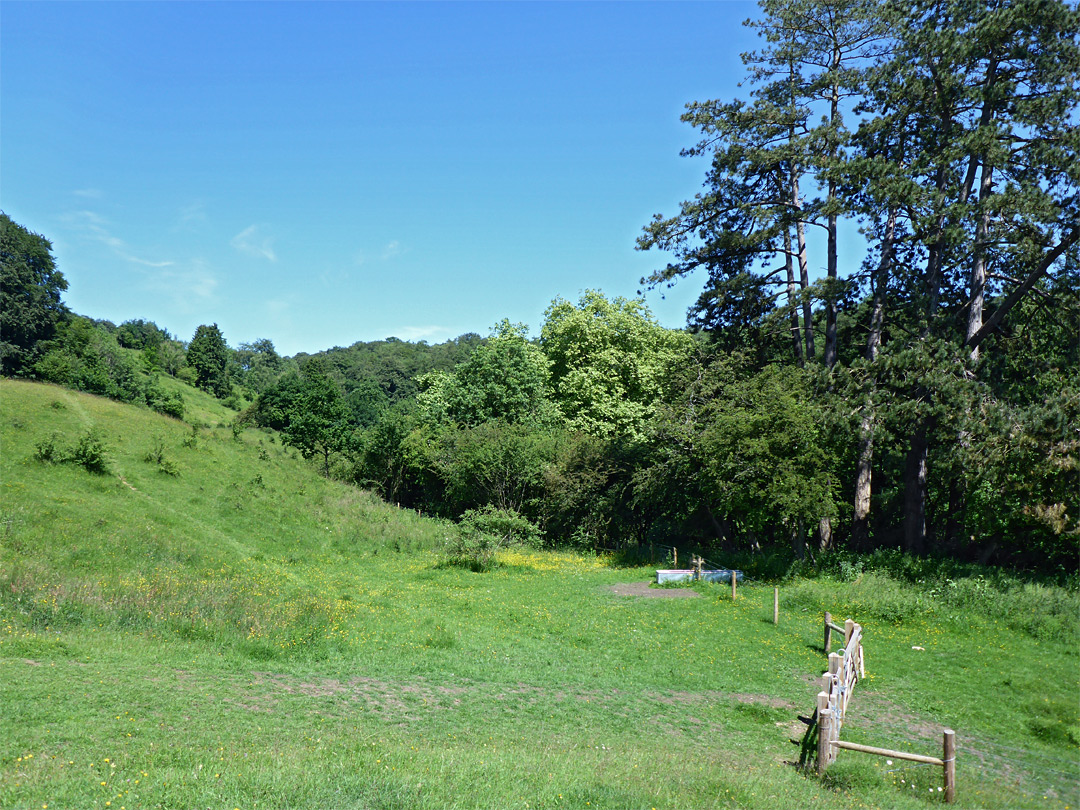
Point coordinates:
[(191, 441), (468, 548), (45, 450), (505, 524), (162, 401), (482, 532), (157, 455), (89, 452)]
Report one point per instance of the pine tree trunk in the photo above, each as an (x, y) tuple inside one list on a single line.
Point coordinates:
[(864, 465), (823, 534), (792, 294), (978, 265), (860, 525), (830, 298), (915, 493), (831, 268), (804, 273)]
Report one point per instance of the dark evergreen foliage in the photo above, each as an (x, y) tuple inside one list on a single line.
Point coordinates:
[(30, 288), (208, 356)]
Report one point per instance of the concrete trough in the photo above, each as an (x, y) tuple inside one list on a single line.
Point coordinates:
[(687, 575), (673, 575), (721, 575)]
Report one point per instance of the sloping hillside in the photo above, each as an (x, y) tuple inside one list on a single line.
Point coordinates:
[(170, 535)]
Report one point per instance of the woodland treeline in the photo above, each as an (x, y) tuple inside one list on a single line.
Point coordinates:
[(926, 399)]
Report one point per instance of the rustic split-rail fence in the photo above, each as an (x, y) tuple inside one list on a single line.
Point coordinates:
[(846, 668)]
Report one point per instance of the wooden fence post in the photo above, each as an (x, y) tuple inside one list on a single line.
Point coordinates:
[(828, 631), (675, 557), (949, 747), (834, 662), (776, 605), (732, 584), (824, 735), (849, 628)]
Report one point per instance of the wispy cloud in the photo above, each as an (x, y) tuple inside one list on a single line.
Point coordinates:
[(391, 250), (189, 216), (89, 193), (190, 286), (278, 306), (92, 225), (254, 242), (421, 332)]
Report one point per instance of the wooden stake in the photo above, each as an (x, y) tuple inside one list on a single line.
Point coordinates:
[(949, 749), (776, 606), (828, 631), (675, 557), (732, 584), (824, 737)]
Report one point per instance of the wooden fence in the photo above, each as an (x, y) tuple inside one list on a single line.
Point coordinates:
[(846, 668)]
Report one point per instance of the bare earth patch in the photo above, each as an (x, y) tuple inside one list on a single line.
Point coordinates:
[(644, 589)]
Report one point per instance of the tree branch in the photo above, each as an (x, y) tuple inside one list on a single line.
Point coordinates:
[(1014, 297)]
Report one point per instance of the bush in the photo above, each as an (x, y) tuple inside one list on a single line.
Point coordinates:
[(468, 548), (89, 452), (191, 441), (162, 401), (157, 455), (46, 450), (482, 532), (505, 524)]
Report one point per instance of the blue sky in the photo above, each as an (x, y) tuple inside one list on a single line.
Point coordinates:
[(323, 173)]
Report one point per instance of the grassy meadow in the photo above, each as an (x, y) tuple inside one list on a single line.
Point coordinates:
[(207, 622)]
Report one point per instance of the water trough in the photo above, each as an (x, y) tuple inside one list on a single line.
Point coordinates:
[(688, 575)]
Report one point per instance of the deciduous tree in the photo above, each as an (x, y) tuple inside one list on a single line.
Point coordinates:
[(30, 288)]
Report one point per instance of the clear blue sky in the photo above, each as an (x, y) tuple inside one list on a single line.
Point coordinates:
[(322, 173)]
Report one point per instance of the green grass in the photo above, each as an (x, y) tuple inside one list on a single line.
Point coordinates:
[(247, 634)]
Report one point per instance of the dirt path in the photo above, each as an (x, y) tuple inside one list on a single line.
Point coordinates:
[(643, 589)]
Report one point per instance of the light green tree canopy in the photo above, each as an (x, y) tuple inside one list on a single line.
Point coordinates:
[(611, 363), (506, 378)]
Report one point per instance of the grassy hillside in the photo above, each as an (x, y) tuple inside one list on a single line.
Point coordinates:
[(210, 623)]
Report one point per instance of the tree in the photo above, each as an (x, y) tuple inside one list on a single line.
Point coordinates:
[(30, 288), (765, 154), (259, 365), (977, 91), (208, 355), (611, 363), (318, 419), (964, 174), (506, 378), (764, 452), (140, 334)]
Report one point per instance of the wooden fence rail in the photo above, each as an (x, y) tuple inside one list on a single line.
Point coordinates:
[(846, 668)]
